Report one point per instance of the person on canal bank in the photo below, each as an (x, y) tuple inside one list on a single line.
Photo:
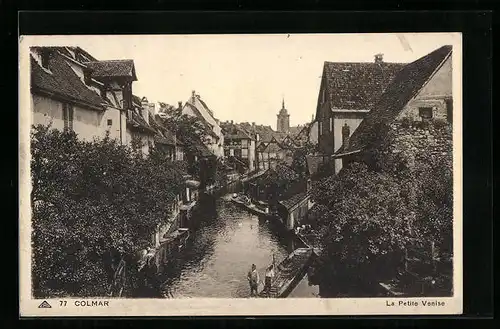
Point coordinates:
[(268, 279), (253, 280)]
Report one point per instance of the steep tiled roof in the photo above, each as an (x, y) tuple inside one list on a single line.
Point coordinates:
[(135, 121), (63, 81), (281, 173), (208, 125), (293, 200), (232, 131), (357, 86), (403, 88), (163, 136), (113, 68)]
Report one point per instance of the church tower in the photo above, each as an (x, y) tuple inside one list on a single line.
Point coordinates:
[(283, 124)]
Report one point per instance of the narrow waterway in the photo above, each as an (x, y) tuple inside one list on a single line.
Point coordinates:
[(223, 245)]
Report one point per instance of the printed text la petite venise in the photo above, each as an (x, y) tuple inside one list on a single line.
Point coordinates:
[(415, 303)]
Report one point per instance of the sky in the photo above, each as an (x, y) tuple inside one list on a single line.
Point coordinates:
[(245, 77)]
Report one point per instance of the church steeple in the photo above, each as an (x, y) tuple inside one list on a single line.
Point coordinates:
[(283, 124)]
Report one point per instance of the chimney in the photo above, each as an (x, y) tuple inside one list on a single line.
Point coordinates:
[(232, 122), (379, 58), (145, 109), (346, 131), (180, 105), (253, 124), (193, 96)]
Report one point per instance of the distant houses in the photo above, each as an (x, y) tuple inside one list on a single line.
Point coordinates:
[(239, 147), (195, 106)]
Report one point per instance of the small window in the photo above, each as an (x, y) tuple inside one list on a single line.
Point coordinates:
[(244, 143), (68, 113), (110, 122), (425, 113), (244, 153), (331, 124)]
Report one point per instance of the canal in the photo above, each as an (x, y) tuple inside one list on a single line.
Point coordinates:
[(224, 243)]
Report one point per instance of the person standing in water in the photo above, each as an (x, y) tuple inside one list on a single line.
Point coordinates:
[(253, 280)]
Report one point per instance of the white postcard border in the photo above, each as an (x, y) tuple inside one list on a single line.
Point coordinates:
[(29, 307)]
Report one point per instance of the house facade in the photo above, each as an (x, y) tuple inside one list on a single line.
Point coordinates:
[(269, 154), (239, 147), (195, 106), (64, 95), (70, 89), (347, 93)]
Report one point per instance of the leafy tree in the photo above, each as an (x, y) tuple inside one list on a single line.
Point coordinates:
[(94, 204), (188, 128), (369, 214), (299, 161)]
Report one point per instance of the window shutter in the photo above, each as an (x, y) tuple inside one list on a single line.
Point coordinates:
[(65, 115), (71, 112)]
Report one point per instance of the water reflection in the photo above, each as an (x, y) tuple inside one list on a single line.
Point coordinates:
[(226, 241)]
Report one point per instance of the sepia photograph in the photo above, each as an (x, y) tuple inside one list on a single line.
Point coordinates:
[(245, 169)]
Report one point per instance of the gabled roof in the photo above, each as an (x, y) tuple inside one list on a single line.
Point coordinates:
[(273, 146), (281, 173), (303, 134), (293, 200), (136, 121), (234, 131), (201, 109), (64, 82), (208, 125), (113, 69), (407, 83), (288, 142), (357, 86), (163, 136), (261, 147)]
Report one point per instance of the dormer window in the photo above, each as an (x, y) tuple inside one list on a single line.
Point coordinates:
[(425, 113), (87, 76)]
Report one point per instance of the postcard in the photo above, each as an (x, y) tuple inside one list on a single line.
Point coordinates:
[(242, 174)]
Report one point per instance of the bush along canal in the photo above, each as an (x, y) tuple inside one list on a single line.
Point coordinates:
[(225, 241)]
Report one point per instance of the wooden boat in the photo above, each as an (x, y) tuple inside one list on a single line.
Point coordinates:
[(289, 273), (251, 207)]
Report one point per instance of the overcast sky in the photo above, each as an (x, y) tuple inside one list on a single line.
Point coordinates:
[(244, 77)]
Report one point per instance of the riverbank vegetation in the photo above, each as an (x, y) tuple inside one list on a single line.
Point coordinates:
[(372, 217), (93, 205)]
